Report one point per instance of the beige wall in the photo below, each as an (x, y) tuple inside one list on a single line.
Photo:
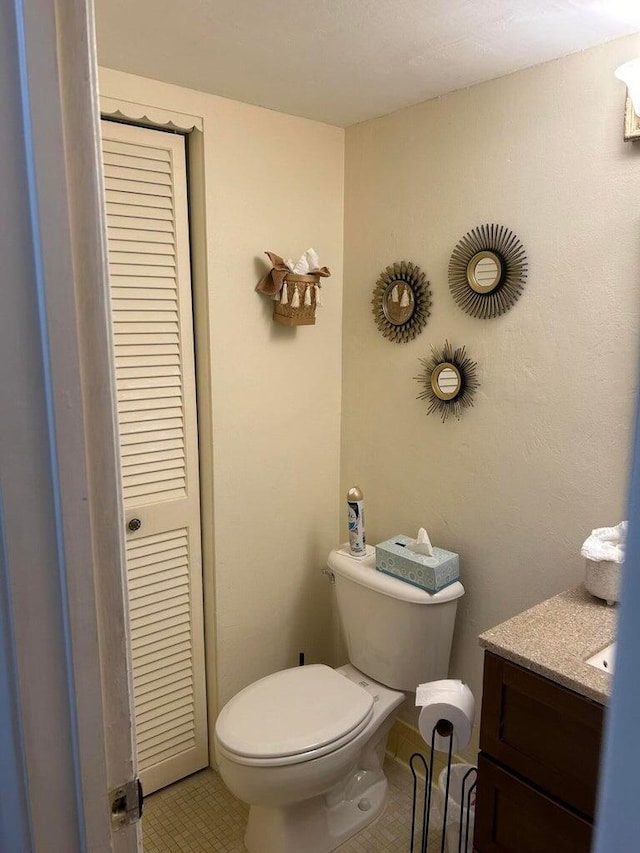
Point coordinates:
[(542, 458), (270, 182)]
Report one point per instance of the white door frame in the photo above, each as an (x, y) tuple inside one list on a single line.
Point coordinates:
[(61, 537)]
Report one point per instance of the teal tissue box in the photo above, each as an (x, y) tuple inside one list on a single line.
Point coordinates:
[(429, 573)]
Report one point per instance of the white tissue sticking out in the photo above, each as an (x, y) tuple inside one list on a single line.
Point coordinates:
[(422, 544), (606, 544), (308, 262)]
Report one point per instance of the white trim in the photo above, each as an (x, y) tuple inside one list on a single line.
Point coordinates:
[(59, 470), (146, 114)]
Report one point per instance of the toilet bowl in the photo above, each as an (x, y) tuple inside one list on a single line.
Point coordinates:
[(304, 747)]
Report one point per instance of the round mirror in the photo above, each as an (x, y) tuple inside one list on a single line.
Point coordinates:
[(484, 272), (398, 302), (446, 381), (401, 301), (449, 381), (487, 271)]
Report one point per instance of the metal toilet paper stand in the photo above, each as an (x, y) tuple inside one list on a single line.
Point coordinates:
[(444, 729)]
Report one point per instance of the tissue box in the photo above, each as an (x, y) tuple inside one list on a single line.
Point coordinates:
[(428, 573)]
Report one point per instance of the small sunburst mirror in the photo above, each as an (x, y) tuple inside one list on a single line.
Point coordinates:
[(449, 380), (401, 301)]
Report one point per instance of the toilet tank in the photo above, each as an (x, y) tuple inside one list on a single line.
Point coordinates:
[(395, 633)]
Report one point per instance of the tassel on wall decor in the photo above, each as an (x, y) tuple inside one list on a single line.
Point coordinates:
[(295, 302)]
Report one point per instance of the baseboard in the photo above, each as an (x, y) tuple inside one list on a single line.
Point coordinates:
[(404, 740)]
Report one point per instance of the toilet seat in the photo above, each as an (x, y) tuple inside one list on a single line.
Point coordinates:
[(293, 716)]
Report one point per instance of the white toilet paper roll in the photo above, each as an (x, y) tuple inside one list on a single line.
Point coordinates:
[(449, 700)]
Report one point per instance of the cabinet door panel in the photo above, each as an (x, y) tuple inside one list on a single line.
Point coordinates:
[(549, 735), (513, 817)]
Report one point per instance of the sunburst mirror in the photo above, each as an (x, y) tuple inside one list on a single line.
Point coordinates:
[(401, 301), (487, 271), (449, 380)]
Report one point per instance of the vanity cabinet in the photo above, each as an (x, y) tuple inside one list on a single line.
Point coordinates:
[(538, 765)]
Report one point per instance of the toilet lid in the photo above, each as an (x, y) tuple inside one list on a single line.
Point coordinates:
[(301, 710)]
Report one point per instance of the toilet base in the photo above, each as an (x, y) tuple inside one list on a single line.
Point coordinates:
[(317, 825)]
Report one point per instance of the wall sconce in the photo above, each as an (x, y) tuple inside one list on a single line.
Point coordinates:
[(629, 73)]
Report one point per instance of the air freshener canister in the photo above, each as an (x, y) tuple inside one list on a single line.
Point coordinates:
[(355, 504)]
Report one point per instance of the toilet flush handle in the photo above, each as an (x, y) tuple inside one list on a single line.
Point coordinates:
[(329, 573)]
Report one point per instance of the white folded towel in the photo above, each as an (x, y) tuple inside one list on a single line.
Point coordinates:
[(606, 544)]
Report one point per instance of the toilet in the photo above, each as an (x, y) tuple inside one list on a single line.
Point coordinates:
[(304, 747)]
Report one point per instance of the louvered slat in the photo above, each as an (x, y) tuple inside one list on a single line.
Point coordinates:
[(137, 461), (147, 376), (152, 204), (144, 247), (161, 220), (135, 151), (141, 403), (138, 172), (133, 443), (119, 230)]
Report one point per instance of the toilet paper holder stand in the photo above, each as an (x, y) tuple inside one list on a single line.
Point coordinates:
[(444, 730)]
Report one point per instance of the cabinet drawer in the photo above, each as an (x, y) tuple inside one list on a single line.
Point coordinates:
[(512, 817), (541, 731)]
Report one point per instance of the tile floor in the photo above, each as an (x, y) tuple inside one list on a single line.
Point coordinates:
[(198, 814)]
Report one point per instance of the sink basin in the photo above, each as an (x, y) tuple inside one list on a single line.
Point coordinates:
[(604, 659)]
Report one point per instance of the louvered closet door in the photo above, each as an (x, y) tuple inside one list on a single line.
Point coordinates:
[(146, 201)]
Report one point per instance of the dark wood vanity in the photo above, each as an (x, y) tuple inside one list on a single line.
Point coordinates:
[(538, 765), (541, 727)]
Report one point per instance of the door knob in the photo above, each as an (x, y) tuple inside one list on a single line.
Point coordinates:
[(134, 524)]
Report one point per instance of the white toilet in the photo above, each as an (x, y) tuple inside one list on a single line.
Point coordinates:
[(304, 746)]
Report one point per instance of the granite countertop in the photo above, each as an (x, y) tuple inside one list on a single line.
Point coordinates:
[(556, 637)]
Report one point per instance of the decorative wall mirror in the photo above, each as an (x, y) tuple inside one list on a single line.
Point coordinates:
[(449, 380), (487, 271), (401, 301)]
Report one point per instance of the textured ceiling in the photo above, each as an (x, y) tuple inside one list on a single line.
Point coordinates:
[(344, 61)]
